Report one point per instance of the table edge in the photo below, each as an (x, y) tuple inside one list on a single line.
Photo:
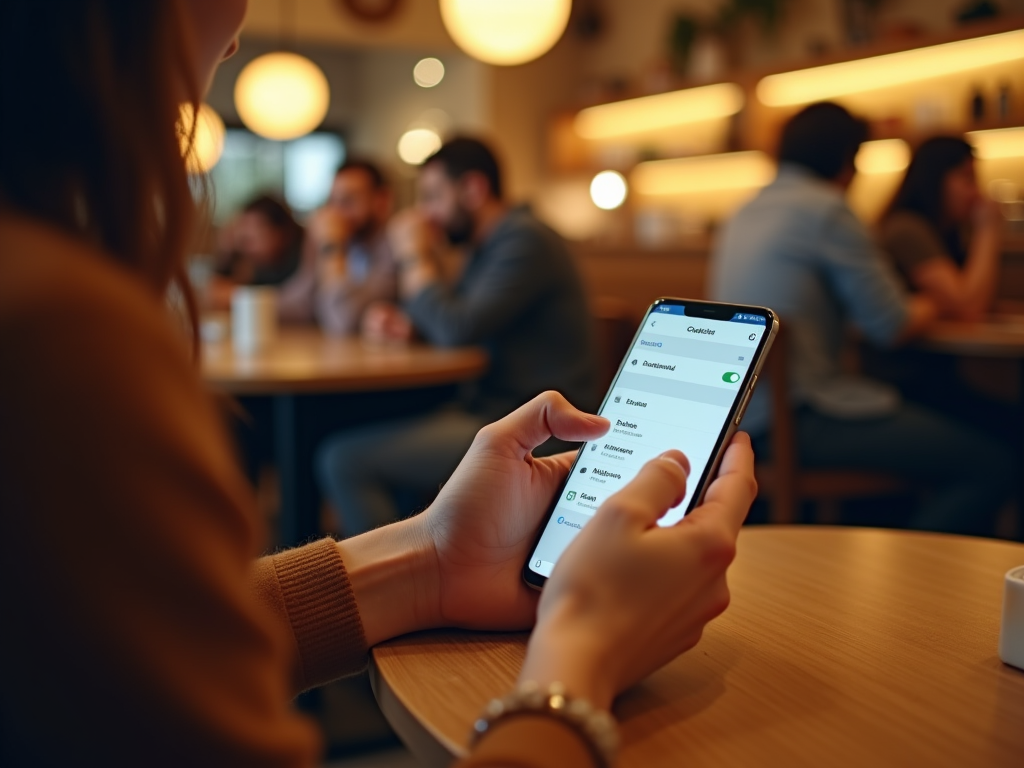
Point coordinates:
[(429, 747)]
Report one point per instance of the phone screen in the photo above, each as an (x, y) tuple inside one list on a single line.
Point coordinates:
[(678, 387)]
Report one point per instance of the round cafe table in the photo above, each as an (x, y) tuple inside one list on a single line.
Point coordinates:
[(299, 370), (842, 647)]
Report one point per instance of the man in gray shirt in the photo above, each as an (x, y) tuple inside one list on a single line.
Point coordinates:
[(799, 249), (519, 296)]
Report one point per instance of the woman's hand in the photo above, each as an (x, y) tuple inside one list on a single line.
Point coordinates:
[(460, 562), (486, 517), (627, 596)]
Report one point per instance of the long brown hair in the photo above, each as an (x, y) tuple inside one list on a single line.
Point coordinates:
[(90, 137)]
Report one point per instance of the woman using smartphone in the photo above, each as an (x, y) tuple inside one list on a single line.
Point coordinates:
[(138, 627)]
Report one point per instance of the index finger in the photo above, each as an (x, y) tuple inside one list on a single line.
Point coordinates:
[(729, 497)]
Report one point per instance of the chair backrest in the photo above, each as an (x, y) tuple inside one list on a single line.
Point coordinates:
[(784, 464)]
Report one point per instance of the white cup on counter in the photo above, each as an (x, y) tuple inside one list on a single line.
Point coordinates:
[(253, 317)]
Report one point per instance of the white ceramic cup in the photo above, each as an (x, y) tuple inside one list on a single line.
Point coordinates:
[(253, 317), (1011, 635)]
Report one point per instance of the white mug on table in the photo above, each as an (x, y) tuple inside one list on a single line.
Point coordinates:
[(253, 317)]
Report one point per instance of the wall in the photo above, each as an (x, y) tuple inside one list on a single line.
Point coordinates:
[(633, 42)]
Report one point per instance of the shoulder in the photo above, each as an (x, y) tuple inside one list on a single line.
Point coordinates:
[(64, 303), (903, 224), (44, 271), (909, 238)]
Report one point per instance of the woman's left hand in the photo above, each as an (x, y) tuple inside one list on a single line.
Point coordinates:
[(486, 517), (459, 563)]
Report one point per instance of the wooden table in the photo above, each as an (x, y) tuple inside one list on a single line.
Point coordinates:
[(303, 364), (999, 336), (842, 647)]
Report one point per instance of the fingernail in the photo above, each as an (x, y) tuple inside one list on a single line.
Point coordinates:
[(673, 456)]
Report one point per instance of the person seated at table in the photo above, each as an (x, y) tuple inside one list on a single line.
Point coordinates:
[(519, 296), (799, 249), (139, 629), (262, 245), (942, 233), (347, 263), (944, 237)]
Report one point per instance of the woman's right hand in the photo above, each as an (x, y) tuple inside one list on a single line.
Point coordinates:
[(628, 596)]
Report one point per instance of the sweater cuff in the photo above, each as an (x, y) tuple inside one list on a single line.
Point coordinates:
[(322, 612), (530, 741)]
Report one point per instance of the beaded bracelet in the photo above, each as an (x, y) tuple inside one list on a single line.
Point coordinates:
[(595, 725)]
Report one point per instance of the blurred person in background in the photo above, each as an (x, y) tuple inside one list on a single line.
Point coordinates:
[(262, 245), (519, 296), (943, 234), (799, 249), (139, 628), (347, 264), (944, 237)]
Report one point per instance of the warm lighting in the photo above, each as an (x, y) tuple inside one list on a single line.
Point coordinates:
[(505, 31), (733, 170), (997, 143), (665, 110), (608, 190), (428, 72), (282, 96), (834, 80), (884, 156), (417, 145), (207, 141)]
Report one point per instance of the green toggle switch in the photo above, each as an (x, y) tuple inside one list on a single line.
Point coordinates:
[(732, 377)]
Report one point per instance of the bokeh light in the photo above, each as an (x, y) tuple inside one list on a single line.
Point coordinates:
[(608, 190), (428, 72), (417, 145)]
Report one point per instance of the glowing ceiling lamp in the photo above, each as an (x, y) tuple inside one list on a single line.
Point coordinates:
[(505, 31), (883, 156), (608, 190), (708, 173), (997, 143), (207, 141), (282, 96), (891, 69), (664, 110)]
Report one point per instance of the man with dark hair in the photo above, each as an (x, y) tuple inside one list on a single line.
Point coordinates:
[(347, 262), (519, 296), (799, 249)]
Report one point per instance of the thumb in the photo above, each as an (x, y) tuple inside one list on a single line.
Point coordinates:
[(547, 415), (659, 485)]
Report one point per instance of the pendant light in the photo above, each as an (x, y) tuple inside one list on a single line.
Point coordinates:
[(505, 32), (282, 95)]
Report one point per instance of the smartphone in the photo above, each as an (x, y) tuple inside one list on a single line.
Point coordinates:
[(684, 384)]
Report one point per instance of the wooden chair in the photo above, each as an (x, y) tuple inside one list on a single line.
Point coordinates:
[(783, 483)]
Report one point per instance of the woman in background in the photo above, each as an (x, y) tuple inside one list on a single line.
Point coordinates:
[(944, 237), (139, 629), (943, 234)]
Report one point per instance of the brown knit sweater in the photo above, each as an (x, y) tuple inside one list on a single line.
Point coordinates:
[(136, 629)]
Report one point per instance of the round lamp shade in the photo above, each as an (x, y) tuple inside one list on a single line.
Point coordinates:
[(282, 96), (505, 31), (207, 142)]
